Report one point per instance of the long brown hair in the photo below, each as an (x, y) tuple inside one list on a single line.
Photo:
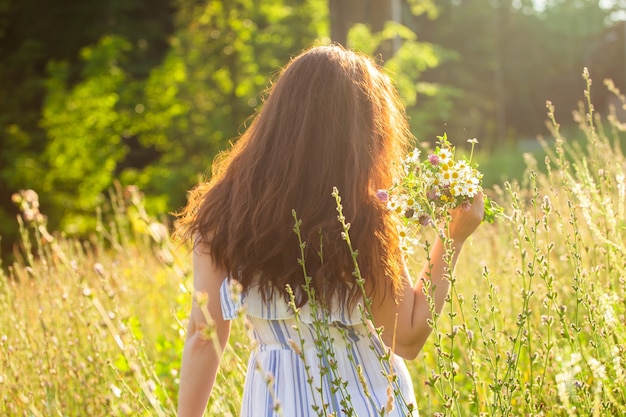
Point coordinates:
[(331, 119)]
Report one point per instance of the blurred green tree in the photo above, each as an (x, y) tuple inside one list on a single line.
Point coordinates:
[(33, 33), (512, 56), (84, 125)]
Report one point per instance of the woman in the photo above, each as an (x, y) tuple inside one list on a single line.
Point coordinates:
[(332, 119)]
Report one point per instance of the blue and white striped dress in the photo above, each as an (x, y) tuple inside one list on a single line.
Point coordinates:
[(288, 376)]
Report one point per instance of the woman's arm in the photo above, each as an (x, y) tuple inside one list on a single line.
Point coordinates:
[(201, 354), (405, 323)]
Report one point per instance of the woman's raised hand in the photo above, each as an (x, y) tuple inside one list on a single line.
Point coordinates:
[(466, 218)]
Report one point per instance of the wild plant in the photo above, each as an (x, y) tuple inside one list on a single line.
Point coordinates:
[(72, 341)]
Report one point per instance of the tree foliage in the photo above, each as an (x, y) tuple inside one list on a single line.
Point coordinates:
[(41, 63), (84, 125), (512, 56)]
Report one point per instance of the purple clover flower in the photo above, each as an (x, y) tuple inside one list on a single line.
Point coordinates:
[(433, 159), (424, 219), (431, 194), (382, 195)]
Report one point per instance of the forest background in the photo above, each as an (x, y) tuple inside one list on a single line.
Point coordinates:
[(148, 92)]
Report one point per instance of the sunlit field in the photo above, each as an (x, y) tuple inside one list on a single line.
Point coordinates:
[(534, 324)]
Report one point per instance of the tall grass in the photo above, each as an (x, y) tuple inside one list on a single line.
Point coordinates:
[(92, 328), (534, 324)]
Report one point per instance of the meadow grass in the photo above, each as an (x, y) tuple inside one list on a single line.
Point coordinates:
[(533, 326)]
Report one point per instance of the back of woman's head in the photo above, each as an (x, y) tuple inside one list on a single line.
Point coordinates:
[(332, 119)]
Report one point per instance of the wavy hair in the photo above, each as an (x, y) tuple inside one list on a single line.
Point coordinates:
[(331, 119)]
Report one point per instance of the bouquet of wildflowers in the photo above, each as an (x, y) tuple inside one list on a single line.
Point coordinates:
[(433, 186)]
